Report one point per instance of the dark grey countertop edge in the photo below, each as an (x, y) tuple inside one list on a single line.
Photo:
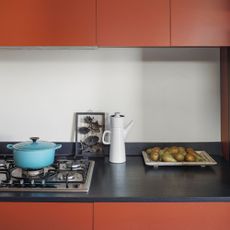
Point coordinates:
[(112, 199)]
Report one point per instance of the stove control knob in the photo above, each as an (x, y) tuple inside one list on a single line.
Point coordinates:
[(60, 176), (2, 163), (21, 182), (43, 182)]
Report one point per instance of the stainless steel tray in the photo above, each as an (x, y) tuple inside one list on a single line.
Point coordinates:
[(208, 161)]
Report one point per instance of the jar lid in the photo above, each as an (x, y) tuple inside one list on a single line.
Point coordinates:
[(117, 115)]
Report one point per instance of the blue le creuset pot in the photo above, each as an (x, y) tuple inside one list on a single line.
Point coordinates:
[(34, 154)]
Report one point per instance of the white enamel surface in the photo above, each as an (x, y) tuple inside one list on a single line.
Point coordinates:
[(117, 138), (172, 94), (117, 146)]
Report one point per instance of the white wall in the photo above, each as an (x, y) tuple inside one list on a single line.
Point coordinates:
[(171, 94)]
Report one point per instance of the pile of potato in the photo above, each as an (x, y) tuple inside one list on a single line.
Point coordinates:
[(173, 154)]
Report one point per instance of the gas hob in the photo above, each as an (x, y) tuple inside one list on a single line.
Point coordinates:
[(62, 176)]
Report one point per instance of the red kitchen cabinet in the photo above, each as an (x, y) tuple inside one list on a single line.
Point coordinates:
[(37, 216), (200, 23), (225, 100), (47, 23), (133, 22), (163, 216)]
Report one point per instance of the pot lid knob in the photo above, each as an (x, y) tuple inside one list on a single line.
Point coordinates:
[(34, 139)]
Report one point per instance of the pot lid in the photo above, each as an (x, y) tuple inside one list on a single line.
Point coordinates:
[(34, 145)]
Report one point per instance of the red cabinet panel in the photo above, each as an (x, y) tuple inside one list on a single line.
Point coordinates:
[(200, 23), (38, 216), (225, 100), (47, 22), (133, 22), (163, 216)]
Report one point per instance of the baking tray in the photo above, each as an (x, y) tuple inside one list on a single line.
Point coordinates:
[(208, 161)]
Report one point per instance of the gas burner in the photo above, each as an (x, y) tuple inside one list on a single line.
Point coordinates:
[(77, 165), (32, 173), (63, 175), (70, 176)]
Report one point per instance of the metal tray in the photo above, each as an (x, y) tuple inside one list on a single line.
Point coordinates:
[(208, 161)]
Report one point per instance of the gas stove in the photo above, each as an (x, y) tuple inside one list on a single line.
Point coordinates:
[(62, 176)]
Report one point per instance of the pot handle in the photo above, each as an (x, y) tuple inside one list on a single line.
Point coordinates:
[(58, 146), (10, 146)]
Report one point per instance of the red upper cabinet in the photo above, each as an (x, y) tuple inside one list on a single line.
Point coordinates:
[(200, 22), (47, 22), (133, 22)]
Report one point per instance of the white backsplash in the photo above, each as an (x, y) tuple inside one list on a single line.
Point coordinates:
[(172, 94)]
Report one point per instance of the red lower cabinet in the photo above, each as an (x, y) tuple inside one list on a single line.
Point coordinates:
[(114, 216), (162, 216), (41, 216)]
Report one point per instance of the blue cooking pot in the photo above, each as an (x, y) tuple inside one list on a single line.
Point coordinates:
[(34, 154)]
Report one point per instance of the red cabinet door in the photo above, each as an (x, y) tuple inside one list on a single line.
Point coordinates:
[(163, 216), (38, 216), (47, 22), (200, 22), (133, 22)]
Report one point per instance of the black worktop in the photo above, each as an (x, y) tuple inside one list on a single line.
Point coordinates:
[(135, 182)]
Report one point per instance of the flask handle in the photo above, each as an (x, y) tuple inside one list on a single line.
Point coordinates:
[(107, 132)]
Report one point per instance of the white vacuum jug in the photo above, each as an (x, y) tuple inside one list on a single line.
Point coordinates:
[(116, 138)]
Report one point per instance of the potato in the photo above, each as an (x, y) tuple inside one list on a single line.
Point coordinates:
[(165, 149), (154, 156), (181, 149), (179, 157), (156, 149), (174, 150), (189, 157), (189, 150), (148, 151), (196, 155), (173, 154), (168, 158)]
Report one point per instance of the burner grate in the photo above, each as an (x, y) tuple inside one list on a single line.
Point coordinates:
[(63, 175)]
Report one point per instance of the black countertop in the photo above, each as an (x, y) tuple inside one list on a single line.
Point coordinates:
[(135, 182)]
